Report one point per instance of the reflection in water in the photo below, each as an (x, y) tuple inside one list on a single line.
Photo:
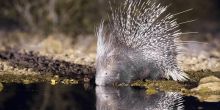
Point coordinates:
[(76, 97), (46, 97), (127, 98)]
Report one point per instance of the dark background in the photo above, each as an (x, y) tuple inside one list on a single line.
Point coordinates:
[(82, 16)]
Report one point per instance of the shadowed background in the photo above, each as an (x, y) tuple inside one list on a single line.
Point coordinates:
[(82, 16)]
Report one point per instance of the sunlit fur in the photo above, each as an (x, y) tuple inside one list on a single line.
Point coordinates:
[(139, 41)]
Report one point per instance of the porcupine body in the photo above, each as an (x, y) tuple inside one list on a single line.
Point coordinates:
[(138, 42)]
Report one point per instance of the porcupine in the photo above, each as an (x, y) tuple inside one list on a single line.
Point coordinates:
[(138, 42)]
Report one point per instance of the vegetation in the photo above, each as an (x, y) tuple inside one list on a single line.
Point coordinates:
[(47, 16)]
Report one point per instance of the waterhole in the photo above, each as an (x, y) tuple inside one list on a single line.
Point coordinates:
[(44, 96)]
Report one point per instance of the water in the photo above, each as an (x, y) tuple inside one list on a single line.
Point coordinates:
[(76, 97)]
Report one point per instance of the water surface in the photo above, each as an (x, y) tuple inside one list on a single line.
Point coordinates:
[(79, 97)]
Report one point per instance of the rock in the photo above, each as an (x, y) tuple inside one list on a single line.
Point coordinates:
[(209, 84), (208, 87), (209, 79), (209, 98)]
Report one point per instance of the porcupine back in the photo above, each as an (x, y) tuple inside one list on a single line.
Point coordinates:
[(145, 28)]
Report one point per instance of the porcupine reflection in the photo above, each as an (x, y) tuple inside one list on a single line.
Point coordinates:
[(127, 98)]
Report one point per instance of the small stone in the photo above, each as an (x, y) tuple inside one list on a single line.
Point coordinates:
[(86, 80), (26, 81), (65, 81), (56, 77), (183, 90), (151, 91), (53, 82), (123, 84), (69, 81), (72, 81)]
